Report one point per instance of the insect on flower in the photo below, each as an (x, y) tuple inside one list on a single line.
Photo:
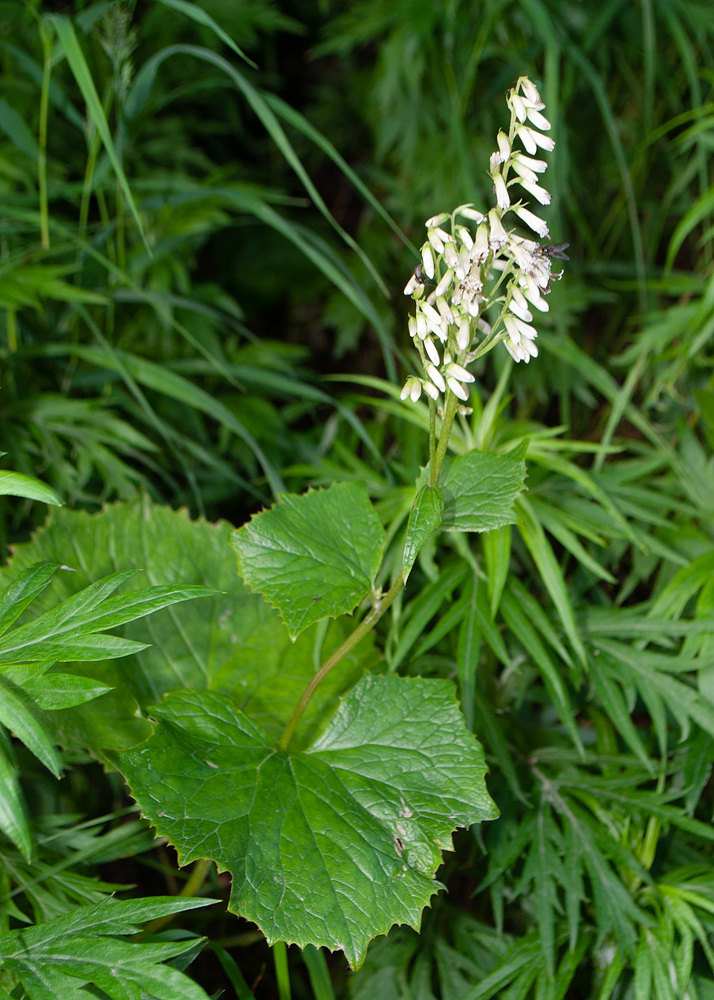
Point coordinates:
[(556, 250)]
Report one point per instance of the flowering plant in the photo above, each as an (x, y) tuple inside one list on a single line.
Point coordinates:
[(493, 267)]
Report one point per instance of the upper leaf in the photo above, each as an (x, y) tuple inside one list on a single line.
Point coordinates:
[(313, 556), (331, 845), (480, 489), (426, 515)]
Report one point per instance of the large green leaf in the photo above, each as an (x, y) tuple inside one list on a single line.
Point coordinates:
[(313, 556), (15, 484), (326, 846), (232, 643), (480, 489), (86, 948)]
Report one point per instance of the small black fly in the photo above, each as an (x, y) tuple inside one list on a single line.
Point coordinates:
[(420, 275), (556, 250)]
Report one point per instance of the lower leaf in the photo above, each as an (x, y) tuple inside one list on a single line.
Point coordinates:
[(328, 846)]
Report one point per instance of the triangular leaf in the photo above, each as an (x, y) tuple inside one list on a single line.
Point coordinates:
[(425, 516), (480, 489), (313, 556), (329, 846)]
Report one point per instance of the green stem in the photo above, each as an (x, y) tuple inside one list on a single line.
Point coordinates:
[(42, 143), (449, 414), (432, 431), (364, 627), (280, 957), (11, 330)]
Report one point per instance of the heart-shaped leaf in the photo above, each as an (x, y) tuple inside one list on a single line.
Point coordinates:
[(313, 556), (327, 846)]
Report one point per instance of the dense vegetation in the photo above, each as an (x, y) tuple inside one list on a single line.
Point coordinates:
[(209, 214)]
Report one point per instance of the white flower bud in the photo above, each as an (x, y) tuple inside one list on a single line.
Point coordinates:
[(431, 314), (465, 236), (469, 212), (431, 390), (499, 236), (463, 337), (458, 389), (522, 311), (533, 294), (524, 172), (432, 351), (451, 255), (502, 197), (532, 139), (412, 324), (415, 391), (464, 262), (427, 260), (519, 107), (437, 220), (411, 285), (525, 329), (537, 191), (504, 146), (514, 334), (444, 284), (436, 377), (494, 162), (407, 387), (457, 372), (435, 240), (536, 224), (422, 328), (446, 314), (537, 119), (481, 244), (530, 91), (539, 166)]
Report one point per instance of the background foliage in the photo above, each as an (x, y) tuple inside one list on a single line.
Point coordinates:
[(187, 245)]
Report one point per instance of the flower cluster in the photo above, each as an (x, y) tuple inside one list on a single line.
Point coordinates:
[(480, 263)]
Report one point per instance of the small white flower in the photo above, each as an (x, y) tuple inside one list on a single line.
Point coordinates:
[(504, 146), (422, 328), (445, 283), (533, 294), (463, 337), (432, 351), (435, 240), (519, 107), (458, 389), (431, 390), (451, 255), (427, 259), (514, 334), (411, 285), (530, 347), (411, 388), (502, 197), (465, 236), (524, 172), (537, 119), (412, 325), (530, 91), (522, 311), (525, 329), (499, 236), (536, 224), (537, 191), (539, 166), (436, 377), (532, 139), (481, 247), (456, 371), (469, 212), (523, 258), (464, 262), (431, 314), (446, 314), (437, 220)]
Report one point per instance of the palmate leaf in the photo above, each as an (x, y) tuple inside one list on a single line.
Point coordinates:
[(327, 846), (313, 556), (87, 948)]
